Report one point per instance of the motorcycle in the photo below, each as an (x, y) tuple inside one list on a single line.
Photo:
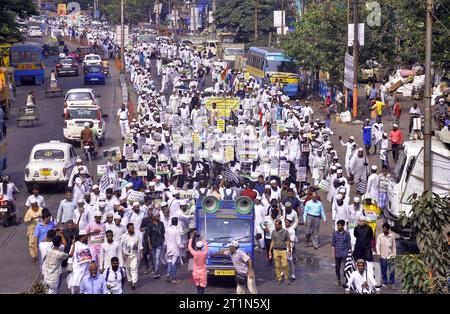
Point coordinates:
[(89, 150), (7, 212)]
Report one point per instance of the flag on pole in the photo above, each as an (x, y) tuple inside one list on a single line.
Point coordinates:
[(349, 266), (230, 175)]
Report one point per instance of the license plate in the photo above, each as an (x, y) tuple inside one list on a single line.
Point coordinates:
[(94, 79), (224, 272), (3, 209), (45, 173)]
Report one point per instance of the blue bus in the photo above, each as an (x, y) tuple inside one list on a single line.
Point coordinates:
[(26, 58), (219, 223), (269, 63)]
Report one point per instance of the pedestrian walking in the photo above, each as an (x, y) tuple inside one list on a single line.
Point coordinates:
[(387, 250), (340, 246), (94, 283), (396, 138), (132, 253), (364, 235), (51, 268), (312, 214), (281, 248)]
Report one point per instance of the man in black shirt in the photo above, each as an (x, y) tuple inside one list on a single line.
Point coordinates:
[(154, 235), (69, 233), (146, 251)]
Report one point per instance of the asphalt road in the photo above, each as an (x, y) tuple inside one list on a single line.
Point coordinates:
[(314, 268), (17, 271)]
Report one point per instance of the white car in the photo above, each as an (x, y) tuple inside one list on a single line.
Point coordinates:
[(91, 59), (35, 31), (50, 163), (81, 97), (76, 117)]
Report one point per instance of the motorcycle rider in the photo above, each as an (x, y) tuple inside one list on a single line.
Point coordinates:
[(66, 50), (87, 137), (441, 111), (8, 191)]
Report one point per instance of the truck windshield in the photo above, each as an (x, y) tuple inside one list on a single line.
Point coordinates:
[(224, 230), (83, 114), (400, 165)]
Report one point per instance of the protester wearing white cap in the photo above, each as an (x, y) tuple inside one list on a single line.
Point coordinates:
[(135, 215), (109, 249), (358, 167), (339, 210), (372, 183), (96, 231), (81, 215), (118, 228), (80, 261), (199, 271), (348, 152), (355, 213), (243, 265), (132, 246)]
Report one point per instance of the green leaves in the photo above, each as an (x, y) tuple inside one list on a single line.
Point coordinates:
[(427, 272), (8, 10)]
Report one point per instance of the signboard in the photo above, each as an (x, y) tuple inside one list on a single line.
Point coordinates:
[(351, 34), (227, 103), (348, 71), (132, 166), (129, 152), (301, 174), (142, 168), (229, 153), (146, 153), (189, 194), (101, 170), (113, 153), (284, 169), (246, 169), (278, 18), (136, 196), (119, 34), (162, 168), (129, 138), (221, 125)]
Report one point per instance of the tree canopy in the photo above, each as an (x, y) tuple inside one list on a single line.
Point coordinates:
[(320, 38), (8, 12), (240, 16)]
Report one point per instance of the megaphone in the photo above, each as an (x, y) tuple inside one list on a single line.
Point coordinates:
[(210, 204), (243, 205)]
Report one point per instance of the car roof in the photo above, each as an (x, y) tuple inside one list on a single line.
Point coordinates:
[(80, 90), (92, 55), (52, 145)]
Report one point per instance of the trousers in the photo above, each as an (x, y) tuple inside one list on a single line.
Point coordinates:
[(123, 127), (251, 286), (312, 229), (156, 255), (281, 264), (131, 265), (387, 265), (30, 237), (338, 260)]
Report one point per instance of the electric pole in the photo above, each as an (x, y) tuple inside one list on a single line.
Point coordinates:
[(355, 58), (282, 17), (256, 20), (427, 99), (213, 24), (122, 39)]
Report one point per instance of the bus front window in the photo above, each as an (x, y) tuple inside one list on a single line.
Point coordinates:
[(281, 66)]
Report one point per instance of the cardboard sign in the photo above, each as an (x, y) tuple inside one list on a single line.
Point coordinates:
[(274, 167), (221, 125), (284, 169), (142, 168), (132, 166), (301, 174), (101, 170), (189, 194), (129, 140), (246, 169), (146, 152), (154, 195), (229, 153), (136, 196), (162, 168), (83, 256), (196, 139), (129, 152)]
